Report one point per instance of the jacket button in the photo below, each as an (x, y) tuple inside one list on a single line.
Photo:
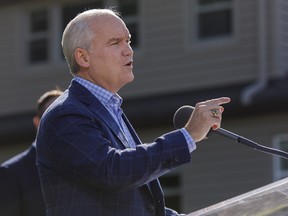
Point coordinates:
[(151, 207)]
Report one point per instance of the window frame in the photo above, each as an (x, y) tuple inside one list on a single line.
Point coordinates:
[(192, 41), (213, 8), (33, 36)]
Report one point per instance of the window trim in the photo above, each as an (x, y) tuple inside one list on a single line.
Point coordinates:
[(32, 36), (191, 40), (53, 34)]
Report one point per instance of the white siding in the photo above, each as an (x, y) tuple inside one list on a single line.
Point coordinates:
[(283, 38), (20, 84), (168, 64), (166, 61)]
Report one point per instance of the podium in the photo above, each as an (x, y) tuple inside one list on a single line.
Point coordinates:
[(269, 200)]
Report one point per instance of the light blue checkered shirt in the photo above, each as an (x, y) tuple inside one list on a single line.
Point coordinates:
[(113, 104)]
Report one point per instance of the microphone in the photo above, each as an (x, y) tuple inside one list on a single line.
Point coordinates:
[(183, 114)]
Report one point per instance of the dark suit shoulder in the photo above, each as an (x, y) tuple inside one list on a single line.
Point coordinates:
[(24, 159), (10, 198), (20, 189)]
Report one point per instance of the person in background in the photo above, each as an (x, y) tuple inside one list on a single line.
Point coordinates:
[(20, 189), (90, 159)]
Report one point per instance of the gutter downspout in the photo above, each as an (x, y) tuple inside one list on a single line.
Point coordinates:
[(249, 92)]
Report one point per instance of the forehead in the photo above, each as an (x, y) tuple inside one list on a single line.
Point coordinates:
[(110, 26)]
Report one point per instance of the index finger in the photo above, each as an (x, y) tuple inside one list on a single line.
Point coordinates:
[(221, 100)]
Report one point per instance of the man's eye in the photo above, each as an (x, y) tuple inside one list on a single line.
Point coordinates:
[(114, 42)]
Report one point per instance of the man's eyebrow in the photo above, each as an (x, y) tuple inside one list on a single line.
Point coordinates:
[(114, 39)]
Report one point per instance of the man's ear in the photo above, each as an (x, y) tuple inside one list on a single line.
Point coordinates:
[(82, 57)]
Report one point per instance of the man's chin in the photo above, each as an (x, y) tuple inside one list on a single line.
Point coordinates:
[(131, 78)]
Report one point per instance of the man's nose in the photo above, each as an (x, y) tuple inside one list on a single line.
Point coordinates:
[(128, 50)]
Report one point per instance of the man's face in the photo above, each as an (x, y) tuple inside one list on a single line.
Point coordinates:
[(110, 54)]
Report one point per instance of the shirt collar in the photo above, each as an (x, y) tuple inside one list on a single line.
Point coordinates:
[(105, 97)]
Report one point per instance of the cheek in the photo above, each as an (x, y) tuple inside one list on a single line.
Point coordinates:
[(107, 62), (99, 62)]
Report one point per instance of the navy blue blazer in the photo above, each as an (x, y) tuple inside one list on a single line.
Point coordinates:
[(86, 167), (20, 190)]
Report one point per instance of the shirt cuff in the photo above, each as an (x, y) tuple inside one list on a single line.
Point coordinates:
[(190, 142)]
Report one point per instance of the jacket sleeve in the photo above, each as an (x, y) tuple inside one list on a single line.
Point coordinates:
[(78, 146), (171, 212)]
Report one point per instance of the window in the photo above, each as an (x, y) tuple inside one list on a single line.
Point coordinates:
[(280, 165), (45, 28), (171, 185), (214, 19), (38, 36)]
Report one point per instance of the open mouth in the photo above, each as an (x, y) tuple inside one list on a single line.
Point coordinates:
[(130, 63)]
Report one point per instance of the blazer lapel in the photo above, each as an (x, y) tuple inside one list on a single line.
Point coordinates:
[(93, 104), (131, 129)]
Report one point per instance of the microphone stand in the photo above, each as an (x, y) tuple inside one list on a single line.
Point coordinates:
[(250, 143)]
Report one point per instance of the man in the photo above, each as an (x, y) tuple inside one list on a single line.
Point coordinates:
[(20, 189), (90, 159)]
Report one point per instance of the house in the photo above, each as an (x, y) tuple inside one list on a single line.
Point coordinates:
[(184, 52)]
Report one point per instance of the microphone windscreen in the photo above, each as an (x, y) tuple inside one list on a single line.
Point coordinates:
[(182, 116)]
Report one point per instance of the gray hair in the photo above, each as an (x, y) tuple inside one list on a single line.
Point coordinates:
[(77, 34)]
